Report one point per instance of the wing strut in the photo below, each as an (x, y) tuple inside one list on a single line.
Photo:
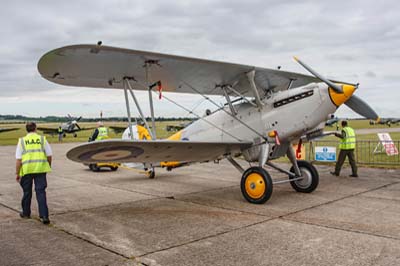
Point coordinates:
[(153, 123), (128, 109), (250, 76), (128, 85), (228, 100)]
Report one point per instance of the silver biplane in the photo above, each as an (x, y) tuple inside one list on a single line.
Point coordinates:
[(266, 111)]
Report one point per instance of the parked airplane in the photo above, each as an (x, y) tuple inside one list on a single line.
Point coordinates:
[(267, 111), (70, 127), (385, 121)]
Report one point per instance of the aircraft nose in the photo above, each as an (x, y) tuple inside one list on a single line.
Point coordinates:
[(339, 98)]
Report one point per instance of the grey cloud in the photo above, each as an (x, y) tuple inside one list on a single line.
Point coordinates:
[(350, 40)]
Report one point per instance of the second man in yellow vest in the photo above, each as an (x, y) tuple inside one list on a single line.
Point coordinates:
[(347, 146)]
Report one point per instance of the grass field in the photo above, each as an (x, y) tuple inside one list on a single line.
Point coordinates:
[(11, 137), (366, 142)]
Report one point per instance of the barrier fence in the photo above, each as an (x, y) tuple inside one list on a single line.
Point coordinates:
[(367, 151)]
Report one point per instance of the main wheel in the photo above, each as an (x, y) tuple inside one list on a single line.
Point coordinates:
[(256, 185), (114, 168), (310, 178)]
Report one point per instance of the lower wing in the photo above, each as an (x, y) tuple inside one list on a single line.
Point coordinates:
[(124, 151)]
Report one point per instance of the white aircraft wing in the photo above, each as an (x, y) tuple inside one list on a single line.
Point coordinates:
[(124, 151), (105, 67)]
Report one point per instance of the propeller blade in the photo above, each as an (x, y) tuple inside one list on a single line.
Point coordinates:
[(79, 118), (77, 126), (361, 108), (334, 86)]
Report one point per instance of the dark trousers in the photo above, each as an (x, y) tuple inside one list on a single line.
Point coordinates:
[(342, 157), (40, 188)]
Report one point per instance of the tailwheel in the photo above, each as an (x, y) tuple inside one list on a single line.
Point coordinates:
[(310, 179), (256, 185), (151, 173)]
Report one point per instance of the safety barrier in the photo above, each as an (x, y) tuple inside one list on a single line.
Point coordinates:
[(369, 152)]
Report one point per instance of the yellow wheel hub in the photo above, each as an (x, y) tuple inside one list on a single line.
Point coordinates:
[(255, 185)]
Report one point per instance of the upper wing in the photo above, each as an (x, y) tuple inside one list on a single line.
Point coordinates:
[(105, 67), (152, 151)]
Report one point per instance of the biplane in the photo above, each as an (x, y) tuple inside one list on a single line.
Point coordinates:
[(266, 111), (70, 127)]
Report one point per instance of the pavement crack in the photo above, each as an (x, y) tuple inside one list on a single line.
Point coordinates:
[(338, 199), (341, 229), (206, 237)]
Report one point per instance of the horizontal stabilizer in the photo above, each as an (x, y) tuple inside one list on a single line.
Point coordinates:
[(124, 151)]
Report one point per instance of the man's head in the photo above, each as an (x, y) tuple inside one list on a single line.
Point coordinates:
[(99, 124), (30, 127), (344, 123)]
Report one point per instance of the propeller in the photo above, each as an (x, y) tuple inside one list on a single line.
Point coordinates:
[(344, 94), (359, 106)]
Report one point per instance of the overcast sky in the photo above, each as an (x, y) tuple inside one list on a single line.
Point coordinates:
[(354, 41)]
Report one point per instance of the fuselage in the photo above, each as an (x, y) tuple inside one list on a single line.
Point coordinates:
[(291, 113)]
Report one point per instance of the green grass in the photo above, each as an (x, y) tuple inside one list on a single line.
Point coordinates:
[(11, 137)]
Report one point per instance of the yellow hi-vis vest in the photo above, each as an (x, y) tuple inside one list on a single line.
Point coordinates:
[(34, 159), (103, 133), (349, 142)]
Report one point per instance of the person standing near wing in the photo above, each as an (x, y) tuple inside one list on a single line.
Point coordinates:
[(99, 133), (347, 146), (33, 162)]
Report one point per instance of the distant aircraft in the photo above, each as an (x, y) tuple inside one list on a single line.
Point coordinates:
[(8, 129), (70, 127), (385, 121)]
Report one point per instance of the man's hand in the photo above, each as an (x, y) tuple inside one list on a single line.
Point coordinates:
[(17, 178)]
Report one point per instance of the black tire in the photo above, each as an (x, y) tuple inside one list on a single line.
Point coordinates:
[(114, 168), (311, 178), (94, 167), (261, 186), (151, 174), (75, 135)]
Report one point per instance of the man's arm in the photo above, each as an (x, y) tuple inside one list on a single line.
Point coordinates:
[(18, 165), (341, 135), (94, 135), (49, 158)]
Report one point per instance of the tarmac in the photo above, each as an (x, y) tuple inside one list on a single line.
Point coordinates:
[(196, 215)]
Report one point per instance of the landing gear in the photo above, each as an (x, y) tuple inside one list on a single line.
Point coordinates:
[(256, 185), (310, 178), (94, 167), (75, 135), (151, 173)]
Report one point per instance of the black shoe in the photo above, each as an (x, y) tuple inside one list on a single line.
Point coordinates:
[(45, 220), (23, 216), (352, 175), (334, 173)]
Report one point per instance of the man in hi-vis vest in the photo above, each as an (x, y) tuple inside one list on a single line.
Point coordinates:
[(347, 146), (33, 156), (100, 133)]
